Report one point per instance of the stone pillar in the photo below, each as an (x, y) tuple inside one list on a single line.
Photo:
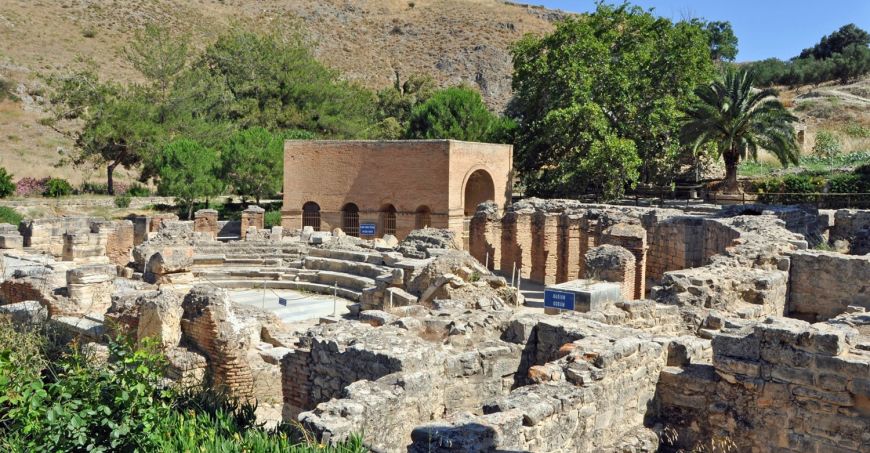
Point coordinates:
[(571, 263), (633, 239), (524, 240), (80, 245), (120, 237), (10, 238), (206, 221), (545, 234), (612, 263), (90, 288), (508, 243), (255, 217)]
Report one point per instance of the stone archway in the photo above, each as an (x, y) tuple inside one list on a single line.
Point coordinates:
[(478, 188)]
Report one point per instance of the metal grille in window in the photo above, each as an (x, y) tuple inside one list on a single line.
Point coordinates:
[(390, 221), (350, 220), (423, 218), (311, 215)]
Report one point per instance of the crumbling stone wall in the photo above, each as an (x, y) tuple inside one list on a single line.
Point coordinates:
[(825, 284), (252, 217), (119, 240), (612, 263), (210, 325), (47, 234), (852, 229), (206, 221), (778, 385)]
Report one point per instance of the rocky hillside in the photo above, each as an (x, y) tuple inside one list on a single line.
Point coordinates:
[(369, 41)]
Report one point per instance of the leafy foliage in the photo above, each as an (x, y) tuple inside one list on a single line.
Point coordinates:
[(738, 121), (723, 41), (9, 215), (597, 101), (827, 145), (7, 187), (275, 82), (187, 170), (79, 404), (122, 201), (842, 55), (252, 161), (395, 104), (28, 186), (837, 42), (456, 113), (57, 187)]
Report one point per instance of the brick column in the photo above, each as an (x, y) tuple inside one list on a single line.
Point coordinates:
[(254, 216), (206, 221)]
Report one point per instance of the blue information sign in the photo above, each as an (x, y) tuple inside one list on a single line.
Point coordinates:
[(367, 229), (282, 301), (558, 299)]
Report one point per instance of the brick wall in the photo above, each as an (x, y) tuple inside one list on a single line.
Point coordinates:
[(823, 284)]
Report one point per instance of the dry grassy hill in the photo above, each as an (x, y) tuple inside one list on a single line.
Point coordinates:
[(369, 41)]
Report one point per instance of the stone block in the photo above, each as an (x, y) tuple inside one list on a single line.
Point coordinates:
[(95, 273), (27, 312), (160, 318)]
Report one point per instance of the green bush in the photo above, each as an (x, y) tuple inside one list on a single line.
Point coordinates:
[(272, 218), (138, 190), (856, 130), (849, 183), (9, 215), (76, 403), (7, 187), (93, 188), (122, 201), (57, 187)]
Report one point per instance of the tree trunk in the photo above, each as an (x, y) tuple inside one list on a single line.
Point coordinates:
[(190, 210), (731, 160), (110, 183)]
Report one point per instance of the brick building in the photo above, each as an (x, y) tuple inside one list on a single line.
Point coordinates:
[(392, 187)]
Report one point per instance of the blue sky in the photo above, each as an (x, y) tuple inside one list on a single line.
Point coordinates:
[(764, 28)]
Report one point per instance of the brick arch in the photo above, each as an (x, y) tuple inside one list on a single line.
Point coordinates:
[(477, 188)]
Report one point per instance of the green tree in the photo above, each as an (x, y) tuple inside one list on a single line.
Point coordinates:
[(160, 55), (396, 103), (827, 145), (456, 113), (609, 82), (837, 42), (7, 187), (723, 41), (738, 121), (275, 82), (187, 171), (252, 161)]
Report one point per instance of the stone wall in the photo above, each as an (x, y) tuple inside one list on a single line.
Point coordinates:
[(209, 325), (206, 221), (825, 284), (612, 263), (780, 385), (852, 229)]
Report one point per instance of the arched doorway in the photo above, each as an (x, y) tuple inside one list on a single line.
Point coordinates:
[(311, 215), (350, 220), (388, 219), (423, 217), (478, 188)]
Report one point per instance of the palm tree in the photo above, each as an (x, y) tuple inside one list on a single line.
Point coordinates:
[(739, 120)]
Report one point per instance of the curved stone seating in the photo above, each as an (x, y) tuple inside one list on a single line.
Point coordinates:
[(319, 288), (362, 269)]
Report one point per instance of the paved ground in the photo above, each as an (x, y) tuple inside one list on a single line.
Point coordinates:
[(300, 306)]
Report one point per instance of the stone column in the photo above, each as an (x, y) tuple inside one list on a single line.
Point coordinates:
[(255, 217), (612, 263), (206, 221)]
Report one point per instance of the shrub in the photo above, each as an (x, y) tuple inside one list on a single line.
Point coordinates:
[(7, 187), (138, 190), (28, 186), (272, 218), (89, 32), (57, 187), (827, 146), (122, 201), (9, 215), (93, 188), (857, 130)]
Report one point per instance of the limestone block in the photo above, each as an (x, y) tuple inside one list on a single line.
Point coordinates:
[(376, 318), (160, 318), (170, 260), (94, 273), (27, 312), (11, 241)]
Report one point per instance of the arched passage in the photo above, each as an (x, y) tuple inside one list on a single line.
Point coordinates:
[(350, 220), (311, 215), (423, 217), (388, 219), (478, 188)]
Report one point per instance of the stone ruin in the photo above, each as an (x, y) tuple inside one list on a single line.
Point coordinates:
[(719, 326)]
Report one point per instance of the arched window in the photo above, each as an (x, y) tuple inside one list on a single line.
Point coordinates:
[(478, 188), (311, 215), (350, 220), (423, 217), (388, 219)]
